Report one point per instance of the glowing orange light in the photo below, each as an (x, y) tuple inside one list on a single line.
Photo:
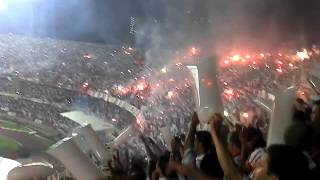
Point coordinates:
[(290, 64), (122, 90), (171, 80), (170, 95), (140, 87), (245, 115), (87, 56), (193, 51), (229, 92), (226, 61), (262, 55), (138, 121), (279, 70), (236, 57), (209, 83), (303, 54)]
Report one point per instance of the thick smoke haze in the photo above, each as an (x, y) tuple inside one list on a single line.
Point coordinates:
[(232, 25), (168, 24), (100, 21)]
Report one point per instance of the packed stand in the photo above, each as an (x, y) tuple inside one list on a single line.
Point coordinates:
[(36, 112), (68, 64), (222, 153), (106, 111), (166, 100)]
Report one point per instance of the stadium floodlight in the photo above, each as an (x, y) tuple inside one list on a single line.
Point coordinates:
[(3, 5)]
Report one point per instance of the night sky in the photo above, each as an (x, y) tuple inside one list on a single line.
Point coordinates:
[(107, 20)]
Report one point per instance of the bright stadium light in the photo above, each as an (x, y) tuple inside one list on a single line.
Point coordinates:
[(3, 5)]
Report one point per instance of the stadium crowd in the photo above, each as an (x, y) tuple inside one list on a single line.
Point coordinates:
[(46, 71), (222, 153), (37, 112), (170, 147), (68, 64), (242, 153), (239, 153)]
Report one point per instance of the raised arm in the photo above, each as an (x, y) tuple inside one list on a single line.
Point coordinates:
[(243, 136), (155, 146), (225, 160), (150, 153), (192, 131)]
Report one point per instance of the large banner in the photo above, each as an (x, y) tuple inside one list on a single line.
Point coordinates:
[(282, 116), (266, 96), (132, 109), (195, 75)]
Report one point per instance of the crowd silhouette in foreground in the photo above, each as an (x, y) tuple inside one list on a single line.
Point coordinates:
[(224, 153)]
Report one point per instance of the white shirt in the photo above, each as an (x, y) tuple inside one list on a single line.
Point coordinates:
[(199, 160), (189, 157)]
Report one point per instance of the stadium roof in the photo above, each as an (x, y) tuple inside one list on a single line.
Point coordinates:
[(83, 119), (6, 165)]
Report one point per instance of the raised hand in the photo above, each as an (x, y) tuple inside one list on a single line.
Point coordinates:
[(212, 124), (195, 119)]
